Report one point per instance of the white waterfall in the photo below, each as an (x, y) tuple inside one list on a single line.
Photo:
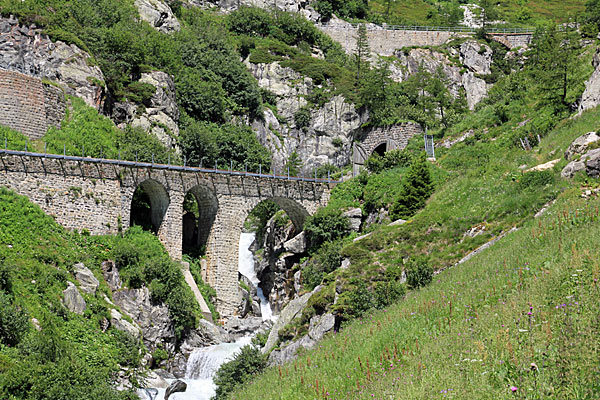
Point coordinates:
[(204, 362), (246, 268)]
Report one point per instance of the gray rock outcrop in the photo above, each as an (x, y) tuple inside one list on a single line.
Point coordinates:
[(590, 162), (87, 281), (28, 51), (111, 275), (297, 244), (118, 322), (177, 386), (288, 314), (354, 216), (319, 326), (475, 89), (161, 114), (581, 144), (591, 95), (476, 56), (73, 300), (294, 6), (154, 320), (328, 136), (158, 14)]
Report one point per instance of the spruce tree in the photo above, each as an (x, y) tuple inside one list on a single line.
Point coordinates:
[(416, 188), (362, 52)]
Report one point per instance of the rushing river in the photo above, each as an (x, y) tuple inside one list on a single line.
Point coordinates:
[(205, 361)]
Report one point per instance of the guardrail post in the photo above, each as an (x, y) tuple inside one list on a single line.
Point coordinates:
[(45, 147), (259, 169), (64, 149), (5, 143), (136, 156), (288, 173), (230, 166), (184, 160), (152, 158), (26, 146)]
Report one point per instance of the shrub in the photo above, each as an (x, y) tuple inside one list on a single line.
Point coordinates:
[(418, 273), (248, 362), (416, 188), (14, 322), (325, 226), (326, 170), (302, 118), (386, 293), (251, 21), (536, 179), (326, 260)]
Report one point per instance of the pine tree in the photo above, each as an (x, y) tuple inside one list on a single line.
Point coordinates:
[(416, 188), (439, 94), (362, 52)]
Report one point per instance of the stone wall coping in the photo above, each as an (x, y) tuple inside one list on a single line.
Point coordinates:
[(170, 167)]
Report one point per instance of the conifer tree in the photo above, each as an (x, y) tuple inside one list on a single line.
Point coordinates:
[(362, 52), (416, 188)]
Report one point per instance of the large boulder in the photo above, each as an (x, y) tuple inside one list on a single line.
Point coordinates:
[(476, 56), (354, 216), (475, 89), (153, 319), (161, 114), (288, 314), (177, 386), (158, 14), (87, 281), (111, 275), (27, 50), (297, 245), (119, 323), (591, 95), (581, 144), (72, 299), (590, 162)]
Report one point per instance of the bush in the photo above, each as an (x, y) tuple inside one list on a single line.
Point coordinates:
[(325, 226), (302, 118), (14, 322), (252, 21), (536, 179), (386, 293), (326, 260), (418, 273), (248, 362), (416, 188)]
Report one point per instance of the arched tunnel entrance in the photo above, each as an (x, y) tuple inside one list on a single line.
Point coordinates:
[(149, 205), (380, 149), (199, 212)]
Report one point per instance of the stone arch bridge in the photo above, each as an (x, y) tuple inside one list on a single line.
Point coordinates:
[(93, 194)]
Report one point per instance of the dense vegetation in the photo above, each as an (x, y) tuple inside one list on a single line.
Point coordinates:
[(49, 352)]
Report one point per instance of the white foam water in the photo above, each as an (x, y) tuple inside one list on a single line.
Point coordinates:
[(204, 362)]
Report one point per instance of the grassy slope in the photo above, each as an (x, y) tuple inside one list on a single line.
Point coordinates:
[(416, 11), (491, 294)]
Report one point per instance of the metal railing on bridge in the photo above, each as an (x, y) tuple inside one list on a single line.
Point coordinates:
[(170, 167), (423, 28)]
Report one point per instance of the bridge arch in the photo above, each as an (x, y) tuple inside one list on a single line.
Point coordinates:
[(293, 209), (149, 205), (199, 213)]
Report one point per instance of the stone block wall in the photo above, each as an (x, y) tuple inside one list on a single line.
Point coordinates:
[(97, 197), (386, 42), (29, 106), (399, 134)]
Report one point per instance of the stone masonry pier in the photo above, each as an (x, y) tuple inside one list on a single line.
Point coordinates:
[(94, 194)]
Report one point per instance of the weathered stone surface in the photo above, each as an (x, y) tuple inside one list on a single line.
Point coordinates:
[(154, 320), (592, 163), (354, 216), (591, 95), (97, 197), (28, 51), (291, 311), (176, 387), (117, 321), (581, 144), (544, 166), (160, 115), (476, 56), (320, 325), (85, 277), (475, 88), (158, 14), (153, 380), (238, 327), (295, 6), (73, 300), (288, 353), (398, 222), (571, 169), (28, 105), (111, 275), (327, 138), (297, 244)]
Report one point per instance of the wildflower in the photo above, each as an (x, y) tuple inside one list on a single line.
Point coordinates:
[(513, 389)]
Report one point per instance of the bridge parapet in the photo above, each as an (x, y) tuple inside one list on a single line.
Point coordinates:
[(96, 195)]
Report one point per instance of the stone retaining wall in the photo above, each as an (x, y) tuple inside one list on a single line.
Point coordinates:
[(29, 106)]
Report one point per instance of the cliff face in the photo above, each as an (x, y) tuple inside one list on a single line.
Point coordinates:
[(27, 50)]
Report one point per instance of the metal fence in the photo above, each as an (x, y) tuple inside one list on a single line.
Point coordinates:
[(430, 28), (169, 167), (429, 146)]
